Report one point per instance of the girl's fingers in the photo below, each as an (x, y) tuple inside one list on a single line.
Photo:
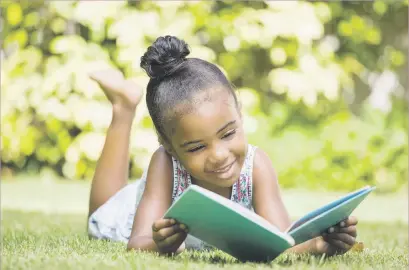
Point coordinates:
[(162, 223), (350, 221), (174, 240), (351, 230), (339, 244), (164, 233), (337, 229), (331, 230), (343, 237)]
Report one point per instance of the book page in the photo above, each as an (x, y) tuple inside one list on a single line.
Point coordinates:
[(325, 208), (318, 224)]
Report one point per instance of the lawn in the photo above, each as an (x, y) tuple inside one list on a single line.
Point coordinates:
[(34, 240), (44, 221)]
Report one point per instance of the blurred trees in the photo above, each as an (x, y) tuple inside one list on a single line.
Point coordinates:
[(322, 84)]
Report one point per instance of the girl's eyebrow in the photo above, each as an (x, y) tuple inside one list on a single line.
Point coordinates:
[(225, 126), (221, 129)]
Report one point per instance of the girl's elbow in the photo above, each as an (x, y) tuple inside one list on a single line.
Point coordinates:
[(132, 245), (141, 244), (129, 247)]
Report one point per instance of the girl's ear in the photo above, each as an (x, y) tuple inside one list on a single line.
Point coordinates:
[(166, 145), (168, 149)]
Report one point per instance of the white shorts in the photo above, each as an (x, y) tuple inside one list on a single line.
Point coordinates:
[(114, 219)]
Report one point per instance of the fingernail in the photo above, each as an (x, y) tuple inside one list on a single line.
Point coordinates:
[(342, 224), (183, 226), (331, 230), (172, 221)]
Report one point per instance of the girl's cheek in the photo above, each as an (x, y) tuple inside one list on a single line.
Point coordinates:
[(240, 142), (195, 163)]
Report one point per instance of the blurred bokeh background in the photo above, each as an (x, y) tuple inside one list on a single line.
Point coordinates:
[(323, 84)]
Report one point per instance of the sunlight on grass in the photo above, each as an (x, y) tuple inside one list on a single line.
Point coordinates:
[(41, 241)]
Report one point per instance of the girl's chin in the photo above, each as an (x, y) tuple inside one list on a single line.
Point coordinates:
[(227, 181)]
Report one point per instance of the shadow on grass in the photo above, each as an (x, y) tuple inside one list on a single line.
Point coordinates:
[(220, 258), (285, 260)]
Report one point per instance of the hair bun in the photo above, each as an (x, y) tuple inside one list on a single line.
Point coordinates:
[(164, 56)]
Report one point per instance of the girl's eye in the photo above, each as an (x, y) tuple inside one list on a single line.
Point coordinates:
[(195, 149), (229, 134)]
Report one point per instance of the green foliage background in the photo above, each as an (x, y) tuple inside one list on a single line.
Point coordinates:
[(307, 75)]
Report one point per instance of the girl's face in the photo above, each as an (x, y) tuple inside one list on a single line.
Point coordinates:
[(210, 141)]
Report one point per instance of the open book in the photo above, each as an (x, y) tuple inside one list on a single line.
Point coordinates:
[(245, 235)]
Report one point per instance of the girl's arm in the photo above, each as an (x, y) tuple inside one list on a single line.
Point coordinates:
[(156, 200), (267, 199)]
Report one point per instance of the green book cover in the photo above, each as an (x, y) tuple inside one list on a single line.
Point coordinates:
[(245, 235), (228, 226)]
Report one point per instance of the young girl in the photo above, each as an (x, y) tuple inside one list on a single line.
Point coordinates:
[(199, 124)]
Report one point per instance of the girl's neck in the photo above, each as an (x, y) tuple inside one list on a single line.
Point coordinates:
[(222, 191)]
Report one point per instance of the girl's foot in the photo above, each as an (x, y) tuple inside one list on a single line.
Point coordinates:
[(120, 92)]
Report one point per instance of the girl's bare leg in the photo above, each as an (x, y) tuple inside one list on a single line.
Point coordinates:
[(111, 173)]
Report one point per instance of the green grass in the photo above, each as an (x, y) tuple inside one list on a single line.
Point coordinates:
[(34, 240)]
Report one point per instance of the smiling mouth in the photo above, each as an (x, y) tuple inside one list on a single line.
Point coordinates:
[(224, 169)]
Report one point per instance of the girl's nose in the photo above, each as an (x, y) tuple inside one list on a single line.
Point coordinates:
[(218, 156)]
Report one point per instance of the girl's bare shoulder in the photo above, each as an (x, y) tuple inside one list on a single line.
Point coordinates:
[(162, 155), (263, 169), (160, 169)]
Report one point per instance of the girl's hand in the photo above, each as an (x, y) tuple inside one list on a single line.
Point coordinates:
[(169, 235), (339, 238), (120, 92)]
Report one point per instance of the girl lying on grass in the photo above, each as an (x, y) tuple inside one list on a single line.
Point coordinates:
[(198, 121)]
